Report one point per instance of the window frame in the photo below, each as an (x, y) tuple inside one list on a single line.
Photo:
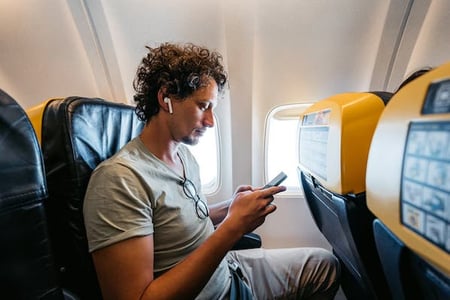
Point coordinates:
[(290, 111)]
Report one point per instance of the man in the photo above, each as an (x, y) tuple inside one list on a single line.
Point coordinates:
[(150, 231)]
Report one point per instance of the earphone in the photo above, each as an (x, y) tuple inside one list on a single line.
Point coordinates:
[(169, 104)]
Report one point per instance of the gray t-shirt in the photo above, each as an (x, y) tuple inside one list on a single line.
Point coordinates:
[(135, 194)]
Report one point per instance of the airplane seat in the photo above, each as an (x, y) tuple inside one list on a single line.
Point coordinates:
[(76, 135), (335, 136), (408, 187), (28, 270)]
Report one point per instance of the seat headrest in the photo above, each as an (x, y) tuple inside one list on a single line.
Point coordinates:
[(91, 130), (22, 169), (335, 135)]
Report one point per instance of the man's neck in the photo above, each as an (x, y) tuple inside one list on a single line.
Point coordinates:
[(159, 142)]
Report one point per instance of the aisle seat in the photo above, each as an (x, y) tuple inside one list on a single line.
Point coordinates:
[(408, 187), (335, 136), (27, 267)]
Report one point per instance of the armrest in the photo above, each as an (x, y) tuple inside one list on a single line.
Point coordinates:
[(248, 241)]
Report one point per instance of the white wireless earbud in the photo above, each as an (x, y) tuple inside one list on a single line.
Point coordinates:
[(169, 104)]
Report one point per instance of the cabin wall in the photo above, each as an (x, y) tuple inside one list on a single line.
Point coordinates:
[(426, 41), (41, 53)]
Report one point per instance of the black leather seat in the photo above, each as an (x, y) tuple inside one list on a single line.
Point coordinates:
[(27, 269), (76, 135), (335, 136)]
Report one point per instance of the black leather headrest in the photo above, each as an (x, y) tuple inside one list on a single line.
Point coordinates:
[(77, 134), (21, 166)]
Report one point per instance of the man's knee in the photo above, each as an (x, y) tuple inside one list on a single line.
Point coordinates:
[(327, 262), (323, 267)]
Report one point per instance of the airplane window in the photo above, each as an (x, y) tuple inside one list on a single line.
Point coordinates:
[(281, 144), (207, 153)]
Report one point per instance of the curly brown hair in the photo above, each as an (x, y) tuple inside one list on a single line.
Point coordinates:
[(179, 69)]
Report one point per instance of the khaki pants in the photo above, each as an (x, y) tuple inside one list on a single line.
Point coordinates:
[(292, 273)]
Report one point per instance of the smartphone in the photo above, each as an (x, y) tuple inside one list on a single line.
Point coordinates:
[(276, 180)]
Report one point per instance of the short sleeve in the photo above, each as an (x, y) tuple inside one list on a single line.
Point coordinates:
[(117, 206)]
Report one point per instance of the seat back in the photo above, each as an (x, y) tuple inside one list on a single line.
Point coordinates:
[(408, 187), (76, 135), (27, 268), (335, 136)]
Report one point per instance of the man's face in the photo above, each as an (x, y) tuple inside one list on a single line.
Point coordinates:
[(194, 114)]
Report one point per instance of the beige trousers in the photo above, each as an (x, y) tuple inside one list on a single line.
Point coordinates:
[(292, 273)]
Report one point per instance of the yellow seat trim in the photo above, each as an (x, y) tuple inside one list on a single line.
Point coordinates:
[(35, 114)]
